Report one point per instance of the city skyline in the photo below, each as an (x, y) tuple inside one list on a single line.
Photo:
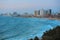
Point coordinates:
[(29, 6)]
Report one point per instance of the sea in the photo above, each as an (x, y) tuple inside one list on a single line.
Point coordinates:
[(21, 28)]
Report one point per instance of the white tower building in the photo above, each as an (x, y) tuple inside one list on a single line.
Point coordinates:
[(42, 12)]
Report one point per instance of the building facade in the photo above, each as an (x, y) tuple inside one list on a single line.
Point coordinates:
[(42, 12), (35, 13)]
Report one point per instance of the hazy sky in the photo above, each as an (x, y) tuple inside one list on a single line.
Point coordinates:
[(28, 5)]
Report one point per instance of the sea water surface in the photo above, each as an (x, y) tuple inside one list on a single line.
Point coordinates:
[(19, 28)]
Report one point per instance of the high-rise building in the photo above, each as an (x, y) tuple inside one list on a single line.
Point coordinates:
[(35, 13), (39, 12), (42, 12), (49, 11)]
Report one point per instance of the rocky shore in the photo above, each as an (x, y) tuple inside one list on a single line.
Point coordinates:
[(52, 34)]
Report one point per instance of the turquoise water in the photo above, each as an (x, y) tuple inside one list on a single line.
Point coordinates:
[(18, 28)]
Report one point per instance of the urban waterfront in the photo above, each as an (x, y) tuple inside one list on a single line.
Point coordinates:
[(20, 28)]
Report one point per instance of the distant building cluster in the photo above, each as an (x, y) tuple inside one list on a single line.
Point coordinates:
[(46, 13), (42, 13), (37, 13)]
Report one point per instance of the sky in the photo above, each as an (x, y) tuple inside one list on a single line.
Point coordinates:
[(29, 6)]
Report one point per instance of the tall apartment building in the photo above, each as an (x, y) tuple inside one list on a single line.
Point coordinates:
[(41, 12), (35, 13), (49, 11)]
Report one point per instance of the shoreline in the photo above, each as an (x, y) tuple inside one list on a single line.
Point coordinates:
[(37, 17), (54, 18)]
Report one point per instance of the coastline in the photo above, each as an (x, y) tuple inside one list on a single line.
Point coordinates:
[(36, 17), (54, 18)]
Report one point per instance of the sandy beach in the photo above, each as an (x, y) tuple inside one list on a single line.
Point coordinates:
[(54, 18)]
